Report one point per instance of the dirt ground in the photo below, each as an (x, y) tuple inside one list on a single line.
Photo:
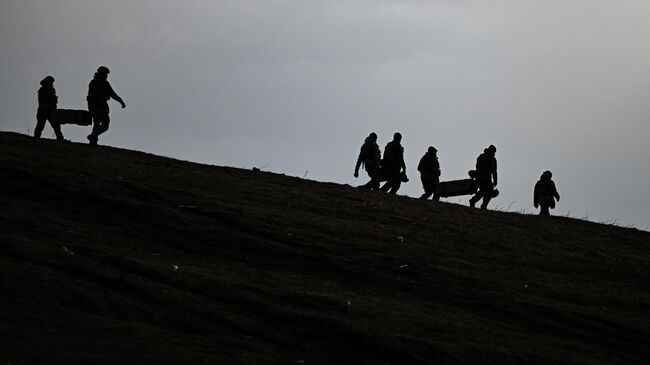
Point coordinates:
[(110, 256)]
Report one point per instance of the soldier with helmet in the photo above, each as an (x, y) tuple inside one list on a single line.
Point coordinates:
[(429, 169), (486, 177), (393, 166), (545, 194), (99, 92), (369, 157)]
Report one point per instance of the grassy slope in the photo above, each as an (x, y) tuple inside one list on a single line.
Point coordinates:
[(275, 269)]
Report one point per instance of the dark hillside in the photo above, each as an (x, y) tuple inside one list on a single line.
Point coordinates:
[(114, 256)]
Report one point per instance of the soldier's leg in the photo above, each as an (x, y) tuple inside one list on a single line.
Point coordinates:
[(100, 125), (395, 185), (56, 126), (427, 194), (486, 201), (431, 191), (374, 184), (95, 118), (375, 177), (487, 190), (543, 209), (390, 179), (367, 185), (426, 185), (41, 118), (473, 200), (105, 121)]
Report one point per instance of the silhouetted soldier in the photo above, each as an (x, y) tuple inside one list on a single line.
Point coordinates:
[(486, 177), (369, 156), (47, 101), (99, 92), (429, 169), (545, 193), (393, 166)]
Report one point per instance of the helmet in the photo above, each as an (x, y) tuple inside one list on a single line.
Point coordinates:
[(47, 80), (103, 70)]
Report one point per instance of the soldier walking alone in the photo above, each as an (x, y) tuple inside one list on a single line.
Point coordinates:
[(545, 193), (99, 92), (486, 177), (369, 157), (47, 101)]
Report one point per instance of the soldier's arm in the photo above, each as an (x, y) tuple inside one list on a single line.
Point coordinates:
[(555, 193), (53, 98), (494, 172), (356, 167), (114, 95)]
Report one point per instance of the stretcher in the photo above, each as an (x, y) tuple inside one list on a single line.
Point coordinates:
[(446, 189), (71, 116)]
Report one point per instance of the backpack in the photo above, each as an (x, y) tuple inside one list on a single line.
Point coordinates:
[(483, 164)]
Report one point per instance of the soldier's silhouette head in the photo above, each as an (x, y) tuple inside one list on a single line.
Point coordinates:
[(491, 150), (47, 81), (103, 70), (546, 175), (397, 137), (373, 136)]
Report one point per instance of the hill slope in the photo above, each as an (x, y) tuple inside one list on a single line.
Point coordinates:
[(115, 256)]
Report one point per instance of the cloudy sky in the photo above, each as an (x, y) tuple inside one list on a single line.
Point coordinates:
[(296, 85)]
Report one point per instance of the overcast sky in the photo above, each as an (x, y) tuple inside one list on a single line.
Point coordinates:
[(296, 86)]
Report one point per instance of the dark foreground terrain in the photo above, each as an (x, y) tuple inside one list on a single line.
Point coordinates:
[(109, 256)]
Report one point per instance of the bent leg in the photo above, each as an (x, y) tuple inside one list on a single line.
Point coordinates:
[(395, 185), (104, 123), (487, 192), (486, 200), (367, 185), (57, 128), (100, 125), (41, 118), (478, 196), (427, 186)]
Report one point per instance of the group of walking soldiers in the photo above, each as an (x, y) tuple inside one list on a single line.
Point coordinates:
[(100, 92), (392, 170)]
